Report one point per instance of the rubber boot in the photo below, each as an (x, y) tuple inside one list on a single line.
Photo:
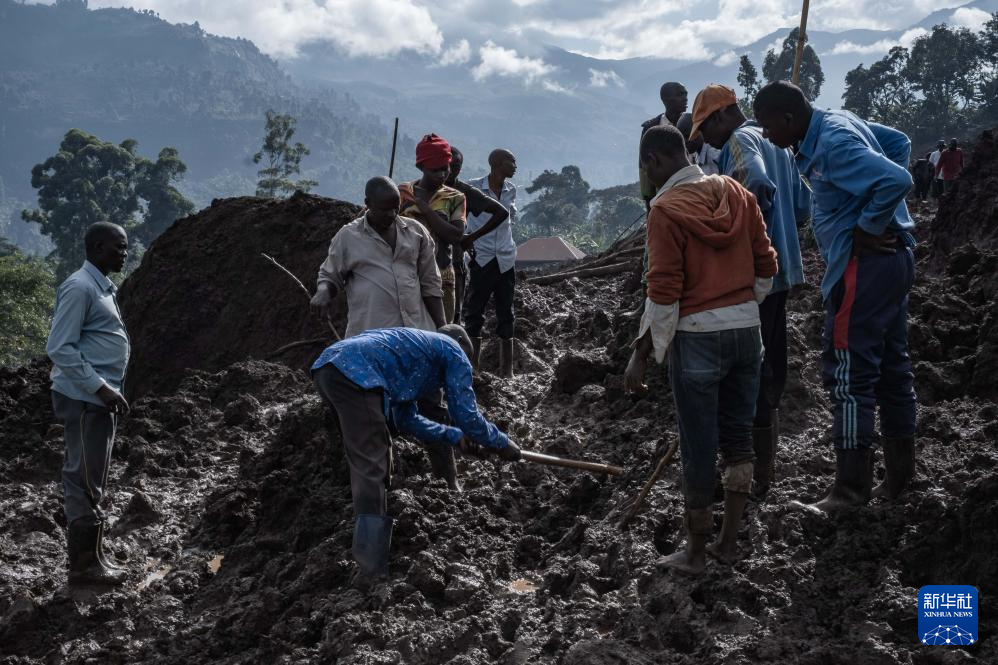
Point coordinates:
[(102, 555), (443, 464), (84, 565), (765, 441), (852, 486), (725, 548), (699, 523), (476, 352), (899, 459), (506, 358), (372, 540)]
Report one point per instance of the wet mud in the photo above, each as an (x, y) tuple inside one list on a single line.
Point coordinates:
[(231, 507)]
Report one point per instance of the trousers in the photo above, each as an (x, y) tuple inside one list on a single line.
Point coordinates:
[(89, 434), (865, 361)]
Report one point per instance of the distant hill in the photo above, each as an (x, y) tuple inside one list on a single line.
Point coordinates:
[(119, 73)]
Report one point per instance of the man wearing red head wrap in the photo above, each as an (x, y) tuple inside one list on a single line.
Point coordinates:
[(440, 208)]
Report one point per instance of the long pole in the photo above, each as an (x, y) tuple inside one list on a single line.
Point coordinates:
[(551, 460), (395, 140), (801, 36)]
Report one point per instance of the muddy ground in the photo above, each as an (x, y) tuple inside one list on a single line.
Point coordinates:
[(230, 501)]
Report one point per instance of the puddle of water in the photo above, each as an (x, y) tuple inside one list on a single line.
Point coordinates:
[(157, 574), (522, 585), (216, 563)]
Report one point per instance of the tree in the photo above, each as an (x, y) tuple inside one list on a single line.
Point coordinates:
[(779, 67), (562, 203), (884, 92), (90, 180), (87, 181), (945, 67), (164, 202), (989, 73), (282, 157), (26, 296), (748, 79)]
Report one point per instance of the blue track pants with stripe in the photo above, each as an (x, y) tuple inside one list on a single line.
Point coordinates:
[(865, 361)]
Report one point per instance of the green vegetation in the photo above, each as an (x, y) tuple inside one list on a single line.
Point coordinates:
[(947, 81), (591, 219), (89, 180), (779, 67), (282, 157), (27, 294)]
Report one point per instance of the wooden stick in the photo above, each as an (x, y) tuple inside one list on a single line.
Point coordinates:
[(801, 34), (613, 269), (652, 479), (308, 294), (551, 460), (295, 345), (395, 138)]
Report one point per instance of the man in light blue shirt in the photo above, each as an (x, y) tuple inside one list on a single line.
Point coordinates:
[(375, 381), (770, 174), (492, 268), (89, 349), (859, 179)]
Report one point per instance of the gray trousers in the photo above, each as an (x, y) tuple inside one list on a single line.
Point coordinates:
[(366, 439), (89, 433)]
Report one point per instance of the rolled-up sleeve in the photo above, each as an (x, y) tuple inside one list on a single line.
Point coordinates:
[(334, 268), (63, 348), (463, 405)]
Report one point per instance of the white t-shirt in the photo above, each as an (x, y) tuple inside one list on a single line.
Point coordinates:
[(934, 160)]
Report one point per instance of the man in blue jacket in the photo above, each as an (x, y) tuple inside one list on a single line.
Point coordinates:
[(770, 174), (375, 381), (859, 179)]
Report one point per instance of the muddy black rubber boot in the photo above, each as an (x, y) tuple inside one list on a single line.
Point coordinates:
[(102, 555), (899, 460), (84, 565), (852, 486), (725, 548), (692, 560), (506, 358), (443, 464), (372, 540), (764, 442), (476, 352)]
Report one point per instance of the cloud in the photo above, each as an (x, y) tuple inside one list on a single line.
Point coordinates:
[(499, 61), (458, 54), (880, 47), (360, 27), (603, 79), (970, 17), (726, 59)]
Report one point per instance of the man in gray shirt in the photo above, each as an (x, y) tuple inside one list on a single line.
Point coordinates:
[(89, 348)]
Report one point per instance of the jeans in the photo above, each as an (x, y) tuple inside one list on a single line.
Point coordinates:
[(865, 361), (715, 382)]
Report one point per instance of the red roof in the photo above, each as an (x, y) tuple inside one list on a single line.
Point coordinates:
[(548, 249)]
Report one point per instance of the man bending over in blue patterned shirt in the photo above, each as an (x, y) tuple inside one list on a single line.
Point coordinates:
[(374, 381)]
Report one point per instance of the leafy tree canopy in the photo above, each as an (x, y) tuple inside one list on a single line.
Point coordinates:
[(283, 158)]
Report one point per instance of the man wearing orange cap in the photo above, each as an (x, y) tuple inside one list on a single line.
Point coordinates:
[(771, 175), (440, 208)]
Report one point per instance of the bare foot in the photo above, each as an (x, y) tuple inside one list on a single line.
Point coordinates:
[(727, 555), (683, 562)]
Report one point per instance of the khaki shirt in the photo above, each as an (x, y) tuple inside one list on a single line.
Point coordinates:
[(384, 289)]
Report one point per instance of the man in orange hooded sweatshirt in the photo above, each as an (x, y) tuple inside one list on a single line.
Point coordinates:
[(710, 263)]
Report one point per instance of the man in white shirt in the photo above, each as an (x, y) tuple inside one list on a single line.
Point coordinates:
[(937, 181), (492, 268)]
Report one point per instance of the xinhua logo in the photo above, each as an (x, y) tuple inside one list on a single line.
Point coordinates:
[(947, 615)]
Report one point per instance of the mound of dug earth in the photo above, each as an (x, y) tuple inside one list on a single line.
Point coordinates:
[(205, 297), (969, 214)]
